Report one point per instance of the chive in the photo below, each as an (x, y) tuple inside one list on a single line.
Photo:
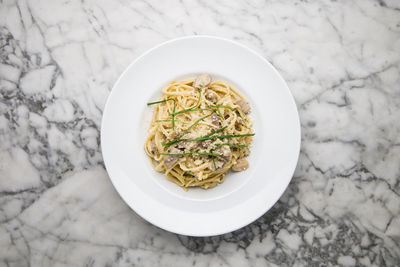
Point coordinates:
[(207, 135), (216, 131), (176, 140), (192, 153), (233, 135), (210, 137), (215, 167), (221, 106), (219, 114), (228, 107), (173, 110), (161, 101), (168, 121), (189, 110), (227, 144), (219, 137)]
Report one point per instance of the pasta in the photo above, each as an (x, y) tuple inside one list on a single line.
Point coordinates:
[(199, 131)]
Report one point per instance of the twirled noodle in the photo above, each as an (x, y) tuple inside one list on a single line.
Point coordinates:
[(200, 130)]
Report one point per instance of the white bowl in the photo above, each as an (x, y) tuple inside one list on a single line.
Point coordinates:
[(244, 196)]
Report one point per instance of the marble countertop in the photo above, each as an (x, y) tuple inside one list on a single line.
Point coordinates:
[(59, 61)]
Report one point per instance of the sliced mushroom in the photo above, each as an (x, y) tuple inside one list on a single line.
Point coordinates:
[(153, 146), (219, 164), (169, 161), (215, 119), (241, 165), (226, 153), (181, 145), (205, 144), (211, 96), (238, 123), (244, 106), (202, 81)]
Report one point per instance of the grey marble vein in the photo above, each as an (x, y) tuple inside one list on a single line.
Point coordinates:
[(58, 62)]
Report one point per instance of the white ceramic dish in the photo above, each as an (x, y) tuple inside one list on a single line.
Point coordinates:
[(244, 196)]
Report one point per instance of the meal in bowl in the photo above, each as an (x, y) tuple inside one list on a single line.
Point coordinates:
[(200, 130)]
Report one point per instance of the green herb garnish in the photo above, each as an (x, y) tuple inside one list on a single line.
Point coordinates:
[(218, 137), (169, 121), (227, 144), (176, 140), (221, 106), (228, 107), (215, 132), (220, 114), (173, 110), (189, 110), (217, 107), (192, 153)]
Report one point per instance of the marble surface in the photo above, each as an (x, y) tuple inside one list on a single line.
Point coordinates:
[(58, 62)]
